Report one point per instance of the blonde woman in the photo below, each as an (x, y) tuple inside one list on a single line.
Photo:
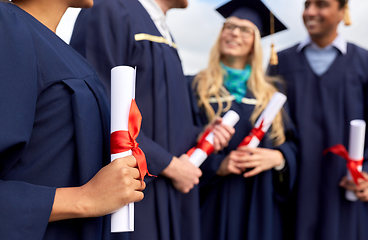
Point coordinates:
[(241, 187)]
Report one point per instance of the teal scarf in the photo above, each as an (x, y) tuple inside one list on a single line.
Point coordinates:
[(235, 81)]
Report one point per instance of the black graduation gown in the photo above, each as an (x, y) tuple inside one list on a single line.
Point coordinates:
[(322, 108), (54, 125), (237, 208), (121, 32)]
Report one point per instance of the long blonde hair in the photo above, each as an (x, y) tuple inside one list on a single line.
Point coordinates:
[(209, 83)]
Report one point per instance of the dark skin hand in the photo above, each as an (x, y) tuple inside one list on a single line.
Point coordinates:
[(360, 191)]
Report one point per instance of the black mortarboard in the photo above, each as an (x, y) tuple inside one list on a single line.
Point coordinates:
[(254, 11)]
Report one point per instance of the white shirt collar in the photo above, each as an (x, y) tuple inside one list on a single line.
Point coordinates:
[(153, 9), (158, 17), (339, 42)]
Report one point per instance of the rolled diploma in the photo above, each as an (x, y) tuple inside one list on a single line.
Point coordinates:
[(356, 149), (199, 156), (122, 93), (268, 115)]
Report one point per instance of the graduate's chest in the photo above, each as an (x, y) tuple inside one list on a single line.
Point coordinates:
[(244, 125), (337, 96)]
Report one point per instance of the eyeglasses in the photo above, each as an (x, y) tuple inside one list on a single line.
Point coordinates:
[(244, 30)]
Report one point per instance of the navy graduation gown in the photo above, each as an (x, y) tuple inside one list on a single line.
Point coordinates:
[(322, 108), (54, 129), (121, 32), (237, 208)]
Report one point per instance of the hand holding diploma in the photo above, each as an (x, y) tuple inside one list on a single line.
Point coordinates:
[(222, 133), (114, 186), (205, 146), (182, 173), (354, 163), (264, 121), (361, 190), (247, 155), (243, 158), (125, 126), (185, 174)]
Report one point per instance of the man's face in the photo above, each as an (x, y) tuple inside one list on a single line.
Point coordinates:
[(321, 17)]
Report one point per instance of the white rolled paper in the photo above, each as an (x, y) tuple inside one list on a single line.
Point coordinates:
[(199, 156), (268, 115), (122, 93), (356, 149)]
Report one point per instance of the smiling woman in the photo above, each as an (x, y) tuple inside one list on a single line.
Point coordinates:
[(241, 184)]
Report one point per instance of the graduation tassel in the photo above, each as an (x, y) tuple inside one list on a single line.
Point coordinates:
[(347, 18), (274, 60)]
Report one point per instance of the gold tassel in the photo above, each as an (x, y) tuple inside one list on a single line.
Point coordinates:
[(274, 60), (347, 18)]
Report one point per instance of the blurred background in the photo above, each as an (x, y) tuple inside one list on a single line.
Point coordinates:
[(196, 28)]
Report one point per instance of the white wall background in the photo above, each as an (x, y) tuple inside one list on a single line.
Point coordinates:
[(196, 28)]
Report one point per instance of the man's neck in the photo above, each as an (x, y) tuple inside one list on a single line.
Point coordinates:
[(324, 41), (47, 12), (164, 5)]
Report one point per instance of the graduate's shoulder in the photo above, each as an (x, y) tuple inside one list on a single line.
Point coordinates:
[(18, 62), (15, 31), (288, 61), (353, 46), (12, 22), (288, 51), (109, 8), (360, 53), (358, 59)]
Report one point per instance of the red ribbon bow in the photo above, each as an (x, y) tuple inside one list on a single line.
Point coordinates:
[(351, 164), (203, 144), (255, 132), (122, 141)]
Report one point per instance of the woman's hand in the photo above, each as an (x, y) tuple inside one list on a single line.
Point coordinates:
[(230, 163), (360, 191), (113, 187), (260, 159), (222, 134)]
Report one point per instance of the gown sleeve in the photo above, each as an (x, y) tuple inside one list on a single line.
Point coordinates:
[(209, 169), (284, 180), (365, 92), (25, 208), (104, 36)]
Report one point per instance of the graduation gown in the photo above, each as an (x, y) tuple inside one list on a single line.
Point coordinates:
[(238, 208), (322, 108), (54, 126), (121, 32)]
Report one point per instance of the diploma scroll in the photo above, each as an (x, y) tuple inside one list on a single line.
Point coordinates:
[(356, 149), (264, 121), (122, 93), (199, 155)]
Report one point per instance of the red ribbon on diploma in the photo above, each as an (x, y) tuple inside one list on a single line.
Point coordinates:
[(122, 141), (256, 132), (351, 164), (203, 144)]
